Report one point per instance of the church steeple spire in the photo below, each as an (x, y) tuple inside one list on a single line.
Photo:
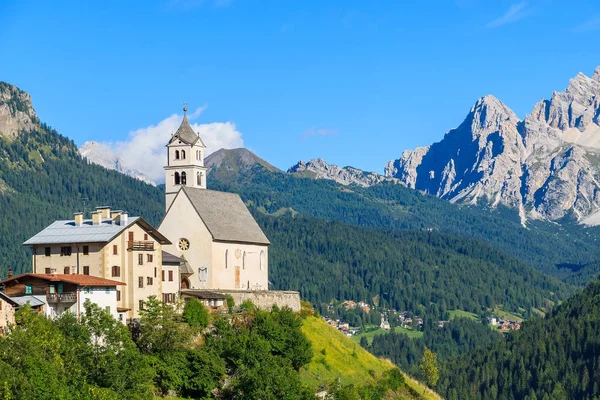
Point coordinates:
[(185, 160)]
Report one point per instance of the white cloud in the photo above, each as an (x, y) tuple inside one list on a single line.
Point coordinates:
[(145, 149), (318, 132), (514, 13)]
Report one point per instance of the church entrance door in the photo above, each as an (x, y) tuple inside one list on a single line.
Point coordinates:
[(237, 277), (185, 284)]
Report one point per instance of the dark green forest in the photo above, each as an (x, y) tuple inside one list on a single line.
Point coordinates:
[(556, 358), (424, 272), (455, 338)]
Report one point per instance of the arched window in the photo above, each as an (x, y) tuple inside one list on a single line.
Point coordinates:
[(244, 261), (183, 154), (226, 259), (177, 181), (197, 155), (177, 154), (263, 260), (183, 178), (199, 179)]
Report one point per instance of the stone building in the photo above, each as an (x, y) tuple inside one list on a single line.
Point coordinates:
[(110, 245)]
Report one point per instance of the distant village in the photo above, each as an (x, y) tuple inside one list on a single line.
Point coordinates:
[(401, 319)]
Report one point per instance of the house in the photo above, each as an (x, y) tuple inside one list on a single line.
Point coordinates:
[(349, 304), (110, 245), (7, 311), (64, 292), (212, 230), (212, 300), (174, 270)]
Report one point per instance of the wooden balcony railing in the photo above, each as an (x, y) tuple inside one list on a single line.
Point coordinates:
[(68, 297), (140, 245)]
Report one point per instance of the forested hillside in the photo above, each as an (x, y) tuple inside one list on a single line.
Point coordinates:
[(553, 358), (425, 272), (456, 337), (560, 250)]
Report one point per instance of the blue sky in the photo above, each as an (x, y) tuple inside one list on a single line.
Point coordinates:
[(352, 82)]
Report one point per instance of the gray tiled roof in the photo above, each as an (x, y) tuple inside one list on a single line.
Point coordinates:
[(170, 258), (32, 300), (186, 134), (225, 216), (67, 232)]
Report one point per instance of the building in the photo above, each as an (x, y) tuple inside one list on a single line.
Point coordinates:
[(212, 230), (63, 292), (7, 312), (110, 245), (174, 269)]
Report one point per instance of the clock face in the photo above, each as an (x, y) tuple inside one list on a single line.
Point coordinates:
[(184, 244)]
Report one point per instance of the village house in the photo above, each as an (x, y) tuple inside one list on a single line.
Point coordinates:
[(61, 293), (110, 245), (7, 312)]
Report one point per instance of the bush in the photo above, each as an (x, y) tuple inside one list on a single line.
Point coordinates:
[(195, 313)]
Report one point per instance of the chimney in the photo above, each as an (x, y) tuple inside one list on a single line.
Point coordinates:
[(123, 218), (78, 218), (105, 210), (96, 217), (114, 215)]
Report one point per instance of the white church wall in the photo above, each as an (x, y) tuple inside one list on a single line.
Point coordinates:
[(233, 259), (182, 221)]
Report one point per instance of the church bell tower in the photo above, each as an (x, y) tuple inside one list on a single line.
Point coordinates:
[(185, 161)]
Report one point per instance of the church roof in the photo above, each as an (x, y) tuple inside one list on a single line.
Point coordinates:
[(225, 215), (186, 134)]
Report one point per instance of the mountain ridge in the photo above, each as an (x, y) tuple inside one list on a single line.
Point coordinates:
[(526, 164)]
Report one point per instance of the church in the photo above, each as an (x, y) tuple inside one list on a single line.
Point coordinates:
[(213, 231)]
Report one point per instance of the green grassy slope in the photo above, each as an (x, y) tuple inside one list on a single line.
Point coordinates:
[(346, 360)]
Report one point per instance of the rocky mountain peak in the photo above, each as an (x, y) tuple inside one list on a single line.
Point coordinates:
[(489, 114), (317, 168), (545, 166), (103, 155), (16, 111)]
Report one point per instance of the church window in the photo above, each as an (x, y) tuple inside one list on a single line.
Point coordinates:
[(226, 259), (177, 181), (262, 260), (184, 244), (183, 178), (199, 179), (177, 154), (183, 154), (203, 274), (244, 261)]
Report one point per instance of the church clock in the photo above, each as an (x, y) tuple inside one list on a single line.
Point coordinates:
[(184, 244)]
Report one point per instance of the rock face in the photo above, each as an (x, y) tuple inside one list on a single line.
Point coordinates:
[(547, 165), (319, 169), (101, 154), (16, 111)]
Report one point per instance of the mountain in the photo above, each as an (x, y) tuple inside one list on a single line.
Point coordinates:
[(102, 155), (318, 169), (236, 160), (557, 357), (545, 166), (16, 111)]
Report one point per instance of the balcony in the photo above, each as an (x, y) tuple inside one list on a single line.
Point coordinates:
[(140, 245), (69, 297)]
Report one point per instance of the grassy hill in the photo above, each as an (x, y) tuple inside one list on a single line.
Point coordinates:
[(338, 357)]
